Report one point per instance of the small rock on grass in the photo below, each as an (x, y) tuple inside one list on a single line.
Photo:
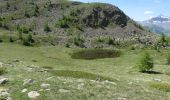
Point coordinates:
[(24, 90), (63, 90), (33, 94), (4, 94), (45, 86), (16, 60), (121, 98), (1, 64), (4, 80), (28, 81)]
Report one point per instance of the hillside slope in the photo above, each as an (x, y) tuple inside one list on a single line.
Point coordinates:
[(73, 23)]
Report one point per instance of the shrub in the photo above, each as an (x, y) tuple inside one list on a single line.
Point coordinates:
[(67, 45), (27, 14), (11, 39), (78, 41), (2, 70), (168, 59), (63, 23), (163, 42), (110, 41), (23, 29), (29, 41), (100, 39), (7, 5), (47, 28), (146, 63), (20, 35), (161, 86), (35, 11), (1, 40)]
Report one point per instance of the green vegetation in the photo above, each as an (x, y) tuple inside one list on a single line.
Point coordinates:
[(80, 74), (168, 59), (75, 75), (161, 86), (95, 54), (111, 41), (47, 28), (2, 70), (28, 41), (78, 40), (70, 57), (146, 63)]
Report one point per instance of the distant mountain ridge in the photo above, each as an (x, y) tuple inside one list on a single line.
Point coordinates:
[(159, 24)]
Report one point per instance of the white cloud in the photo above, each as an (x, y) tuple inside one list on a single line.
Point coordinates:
[(148, 12)]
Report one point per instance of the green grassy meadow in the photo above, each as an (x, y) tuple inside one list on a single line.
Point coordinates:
[(102, 79)]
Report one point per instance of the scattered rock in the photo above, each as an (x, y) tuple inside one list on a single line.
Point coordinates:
[(47, 89), (8, 98), (24, 90), (30, 69), (33, 94), (106, 81), (130, 83), (120, 98), (50, 78), (4, 93), (16, 60), (45, 86), (64, 82), (63, 90), (80, 80), (98, 86), (80, 86), (4, 80), (1, 64), (10, 65), (159, 80), (40, 90), (28, 81)]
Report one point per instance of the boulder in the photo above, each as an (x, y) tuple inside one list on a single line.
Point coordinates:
[(4, 80), (33, 94)]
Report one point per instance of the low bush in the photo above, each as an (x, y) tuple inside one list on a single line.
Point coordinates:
[(28, 41), (95, 54), (110, 41), (78, 41), (47, 28), (168, 59), (161, 86), (11, 39), (2, 70), (1, 40)]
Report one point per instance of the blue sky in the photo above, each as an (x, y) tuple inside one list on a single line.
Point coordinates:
[(139, 9)]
